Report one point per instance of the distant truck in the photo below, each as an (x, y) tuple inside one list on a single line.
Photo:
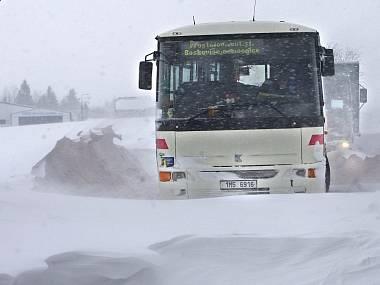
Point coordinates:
[(344, 97)]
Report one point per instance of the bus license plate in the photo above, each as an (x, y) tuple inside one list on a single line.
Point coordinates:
[(230, 185)]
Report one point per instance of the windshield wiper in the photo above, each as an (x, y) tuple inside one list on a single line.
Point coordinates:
[(205, 110), (264, 103), (233, 106), (276, 109)]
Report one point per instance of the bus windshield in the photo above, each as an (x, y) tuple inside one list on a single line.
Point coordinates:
[(238, 78)]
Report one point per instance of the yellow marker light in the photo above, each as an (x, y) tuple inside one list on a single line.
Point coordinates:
[(165, 176), (311, 173)]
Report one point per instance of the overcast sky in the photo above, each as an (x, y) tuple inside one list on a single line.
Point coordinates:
[(94, 46)]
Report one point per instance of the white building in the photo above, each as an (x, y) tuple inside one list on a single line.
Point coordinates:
[(18, 115), (138, 106)]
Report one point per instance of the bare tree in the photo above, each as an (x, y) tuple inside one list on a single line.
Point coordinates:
[(9, 94), (344, 54), (6, 96)]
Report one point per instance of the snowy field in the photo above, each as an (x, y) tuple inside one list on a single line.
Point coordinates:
[(50, 238)]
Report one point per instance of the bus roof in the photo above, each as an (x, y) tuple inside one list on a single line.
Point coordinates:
[(228, 28)]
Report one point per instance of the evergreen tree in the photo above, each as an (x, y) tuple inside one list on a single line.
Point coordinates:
[(41, 103), (23, 96), (36, 96), (70, 102), (48, 100), (51, 99)]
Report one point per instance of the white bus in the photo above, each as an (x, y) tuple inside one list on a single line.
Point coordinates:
[(239, 109)]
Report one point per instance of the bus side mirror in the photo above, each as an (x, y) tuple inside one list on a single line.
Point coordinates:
[(363, 95), (145, 75), (328, 66)]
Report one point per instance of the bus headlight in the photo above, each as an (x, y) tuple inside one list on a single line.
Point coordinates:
[(345, 144), (178, 175), (300, 172)]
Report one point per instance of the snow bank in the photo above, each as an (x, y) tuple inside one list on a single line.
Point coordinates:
[(354, 169), (91, 162), (368, 143), (220, 260), (24, 146)]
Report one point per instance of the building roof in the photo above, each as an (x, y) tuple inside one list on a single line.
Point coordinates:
[(246, 27), (36, 111), (13, 104), (32, 109)]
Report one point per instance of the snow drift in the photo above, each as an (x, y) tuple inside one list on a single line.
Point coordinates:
[(219, 260), (270, 239), (353, 169), (93, 161)]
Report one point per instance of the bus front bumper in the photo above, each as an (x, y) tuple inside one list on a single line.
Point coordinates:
[(279, 179)]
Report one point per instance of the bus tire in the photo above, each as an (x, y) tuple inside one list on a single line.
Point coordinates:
[(327, 176)]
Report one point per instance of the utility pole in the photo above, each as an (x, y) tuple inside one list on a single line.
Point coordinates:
[(84, 98)]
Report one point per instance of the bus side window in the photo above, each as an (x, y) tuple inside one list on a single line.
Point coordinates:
[(189, 73)]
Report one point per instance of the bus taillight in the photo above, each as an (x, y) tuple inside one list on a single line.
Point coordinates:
[(161, 144), (316, 139)]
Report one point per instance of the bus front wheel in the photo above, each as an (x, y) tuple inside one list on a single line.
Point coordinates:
[(327, 175)]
